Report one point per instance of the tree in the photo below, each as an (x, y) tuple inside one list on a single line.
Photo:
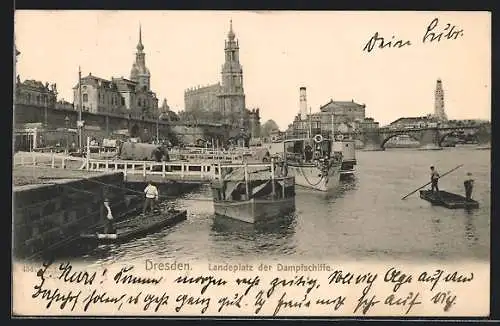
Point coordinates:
[(268, 127)]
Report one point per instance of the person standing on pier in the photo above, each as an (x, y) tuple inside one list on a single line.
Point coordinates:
[(151, 196), (469, 185), (434, 180)]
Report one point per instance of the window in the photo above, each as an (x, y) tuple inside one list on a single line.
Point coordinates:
[(85, 98)]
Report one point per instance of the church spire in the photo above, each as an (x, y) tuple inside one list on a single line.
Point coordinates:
[(140, 73), (230, 34), (140, 47)]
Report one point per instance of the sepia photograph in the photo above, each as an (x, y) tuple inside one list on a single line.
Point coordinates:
[(251, 163)]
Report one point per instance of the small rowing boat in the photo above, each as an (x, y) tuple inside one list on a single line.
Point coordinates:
[(448, 199), (136, 227)]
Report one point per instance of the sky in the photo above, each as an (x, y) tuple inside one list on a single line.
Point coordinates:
[(279, 51)]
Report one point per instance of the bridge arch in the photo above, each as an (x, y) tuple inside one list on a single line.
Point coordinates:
[(411, 135), (446, 135)]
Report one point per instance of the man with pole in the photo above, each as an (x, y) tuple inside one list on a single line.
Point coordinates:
[(414, 191)]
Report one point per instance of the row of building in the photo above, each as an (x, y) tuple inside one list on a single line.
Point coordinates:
[(333, 117), (349, 116), (221, 102)]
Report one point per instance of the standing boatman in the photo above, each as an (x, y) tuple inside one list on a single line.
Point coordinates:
[(434, 179), (151, 196), (108, 225), (468, 185)]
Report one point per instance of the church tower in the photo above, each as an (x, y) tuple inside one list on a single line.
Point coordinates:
[(232, 95), (439, 102), (140, 73)]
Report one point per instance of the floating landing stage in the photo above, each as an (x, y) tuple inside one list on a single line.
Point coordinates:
[(448, 199)]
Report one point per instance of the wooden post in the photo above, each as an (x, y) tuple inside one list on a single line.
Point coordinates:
[(63, 163), (144, 169), (125, 171), (52, 160), (182, 170), (88, 152), (272, 177), (107, 165), (33, 155), (247, 190), (163, 169)]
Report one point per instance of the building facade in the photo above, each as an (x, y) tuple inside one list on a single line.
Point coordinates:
[(439, 112), (224, 101), (132, 97), (334, 116), (202, 99), (36, 93)]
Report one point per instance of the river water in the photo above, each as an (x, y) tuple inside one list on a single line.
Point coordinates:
[(365, 219)]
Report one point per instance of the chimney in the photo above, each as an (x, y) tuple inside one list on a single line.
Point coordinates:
[(303, 104)]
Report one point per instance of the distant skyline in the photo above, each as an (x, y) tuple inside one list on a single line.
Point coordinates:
[(279, 52)]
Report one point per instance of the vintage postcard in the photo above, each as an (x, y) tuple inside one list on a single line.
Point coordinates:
[(251, 164)]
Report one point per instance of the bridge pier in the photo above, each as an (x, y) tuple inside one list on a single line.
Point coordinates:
[(372, 141), (430, 140)]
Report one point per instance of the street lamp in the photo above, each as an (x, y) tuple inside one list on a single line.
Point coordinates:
[(66, 123)]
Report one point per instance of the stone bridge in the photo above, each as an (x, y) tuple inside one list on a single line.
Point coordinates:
[(428, 137), (102, 125)]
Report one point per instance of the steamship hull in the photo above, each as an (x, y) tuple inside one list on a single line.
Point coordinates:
[(255, 210), (311, 177)]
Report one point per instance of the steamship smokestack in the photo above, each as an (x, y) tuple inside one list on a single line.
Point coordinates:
[(303, 104)]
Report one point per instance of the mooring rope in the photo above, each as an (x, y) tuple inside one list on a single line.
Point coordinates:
[(311, 184)]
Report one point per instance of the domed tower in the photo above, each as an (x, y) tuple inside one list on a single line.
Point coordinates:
[(232, 96), (140, 73)]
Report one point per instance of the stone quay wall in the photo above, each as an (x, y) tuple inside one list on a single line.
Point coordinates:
[(49, 216)]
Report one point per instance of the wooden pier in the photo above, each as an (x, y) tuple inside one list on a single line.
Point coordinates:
[(164, 172), (189, 165), (158, 172)]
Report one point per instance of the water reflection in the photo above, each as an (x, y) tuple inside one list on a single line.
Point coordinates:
[(279, 226), (437, 236), (470, 229), (267, 237)]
